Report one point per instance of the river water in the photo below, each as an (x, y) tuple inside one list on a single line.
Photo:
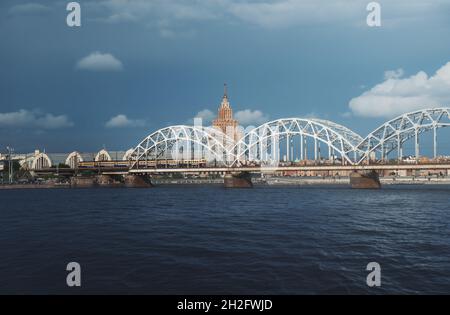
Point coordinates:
[(211, 240)]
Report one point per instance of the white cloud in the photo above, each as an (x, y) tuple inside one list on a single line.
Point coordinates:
[(33, 119), (168, 18), (28, 8), (122, 121), (285, 13), (98, 61), (393, 74), (245, 117), (119, 18), (311, 115), (346, 114), (266, 13), (250, 117), (276, 14), (175, 9), (397, 95), (206, 115), (49, 121)]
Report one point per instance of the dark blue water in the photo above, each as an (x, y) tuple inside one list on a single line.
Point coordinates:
[(209, 240)]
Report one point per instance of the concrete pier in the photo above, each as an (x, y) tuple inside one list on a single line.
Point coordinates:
[(83, 182), (108, 181), (137, 181), (365, 180), (238, 180), (104, 180)]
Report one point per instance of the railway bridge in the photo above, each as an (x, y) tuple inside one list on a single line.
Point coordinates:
[(288, 146)]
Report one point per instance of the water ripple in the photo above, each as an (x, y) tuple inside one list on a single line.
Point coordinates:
[(209, 240)]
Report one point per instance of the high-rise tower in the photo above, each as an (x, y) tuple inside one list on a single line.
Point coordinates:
[(224, 118)]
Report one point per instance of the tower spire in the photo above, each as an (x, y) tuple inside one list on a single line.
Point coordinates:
[(224, 120)]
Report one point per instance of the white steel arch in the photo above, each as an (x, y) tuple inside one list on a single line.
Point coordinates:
[(102, 156), (73, 159), (391, 135), (338, 138), (352, 148), (41, 161), (128, 154), (183, 142)]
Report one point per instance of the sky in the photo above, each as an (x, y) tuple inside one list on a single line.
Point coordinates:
[(135, 66)]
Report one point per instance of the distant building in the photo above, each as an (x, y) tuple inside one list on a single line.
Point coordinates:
[(225, 121), (36, 161), (41, 160)]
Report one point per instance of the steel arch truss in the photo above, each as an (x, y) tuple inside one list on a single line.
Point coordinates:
[(338, 138), (183, 142), (211, 144), (391, 135)]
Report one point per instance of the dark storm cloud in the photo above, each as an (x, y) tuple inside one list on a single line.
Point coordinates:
[(280, 58)]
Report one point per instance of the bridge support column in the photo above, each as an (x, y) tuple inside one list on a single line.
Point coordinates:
[(237, 180), (83, 182), (137, 181), (315, 150), (434, 142), (399, 148), (365, 180), (288, 149), (106, 181), (301, 147), (305, 146), (416, 147)]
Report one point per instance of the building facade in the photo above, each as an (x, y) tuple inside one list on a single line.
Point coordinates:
[(225, 121)]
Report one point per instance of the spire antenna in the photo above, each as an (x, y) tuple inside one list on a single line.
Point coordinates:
[(225, 92)]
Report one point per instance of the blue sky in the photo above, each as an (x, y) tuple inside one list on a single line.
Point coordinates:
[(136, 66)]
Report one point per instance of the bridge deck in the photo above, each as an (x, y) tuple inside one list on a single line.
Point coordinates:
[(252, 169), (257, 169)]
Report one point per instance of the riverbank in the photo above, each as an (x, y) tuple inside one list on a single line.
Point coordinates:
[(34, 186), (346, 181), (272, 181)]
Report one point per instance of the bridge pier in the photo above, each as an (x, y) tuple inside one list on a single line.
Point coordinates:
[(237, 180), (82, 182), (137, 181), (103, 180), (365, 180)]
